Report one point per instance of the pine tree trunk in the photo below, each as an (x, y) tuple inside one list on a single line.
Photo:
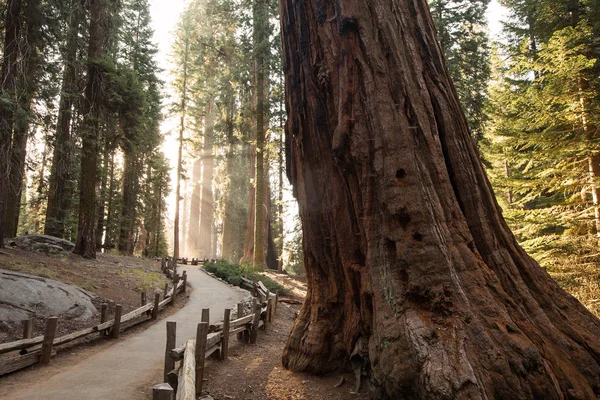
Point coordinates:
[(103, 195), (86, 227), (129, 209), (108, 244), (228, 238), (193, 238), (60, 190), (30, 54), (408, 258), (206, 199), (180, 151), (260, 36), (183, 238), (280, 196), (9, 77)]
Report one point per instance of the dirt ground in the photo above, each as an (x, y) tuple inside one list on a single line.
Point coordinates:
[(254, 372), (114, 279)]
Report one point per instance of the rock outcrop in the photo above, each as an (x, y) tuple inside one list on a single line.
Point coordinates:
[(25, 296)]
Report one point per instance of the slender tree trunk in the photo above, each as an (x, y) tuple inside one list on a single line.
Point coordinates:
[(280, 192), (108, 244), (193, 237), (184, 223), (9, 76), (86, 227), (129, 195), (228, 213), (207, 200), (30, 63), (180, 151), (103, 194), (412, 270), (60, 189), (260, 32)]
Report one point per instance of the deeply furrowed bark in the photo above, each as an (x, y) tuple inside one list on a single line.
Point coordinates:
[(405, 246)]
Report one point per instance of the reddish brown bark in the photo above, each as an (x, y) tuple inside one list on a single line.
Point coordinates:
[(405, 246), (86, 227), (59, 191)]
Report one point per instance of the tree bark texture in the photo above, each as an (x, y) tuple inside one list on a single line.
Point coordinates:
[(104, 195), (260, 49), (8, 85), (91, 110), (31, 49), (60, 188), (406, 249), (130, 192)]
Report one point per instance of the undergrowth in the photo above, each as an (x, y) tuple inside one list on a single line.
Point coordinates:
[(233, 273), (565, 248)]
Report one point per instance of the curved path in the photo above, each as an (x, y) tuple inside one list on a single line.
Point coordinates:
[(117, 372)]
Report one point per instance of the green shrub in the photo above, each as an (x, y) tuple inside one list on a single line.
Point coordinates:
[(233, 274)]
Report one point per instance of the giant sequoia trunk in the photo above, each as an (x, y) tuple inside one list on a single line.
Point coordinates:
[(405, 246), (8, 78), (86, 227), (59, 192), (30, 66)]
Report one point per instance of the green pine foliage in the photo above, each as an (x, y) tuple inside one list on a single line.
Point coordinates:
[(542, 135), (462, 33)]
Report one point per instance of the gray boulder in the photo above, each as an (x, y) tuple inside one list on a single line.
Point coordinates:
[(25, 296), (42, 244)]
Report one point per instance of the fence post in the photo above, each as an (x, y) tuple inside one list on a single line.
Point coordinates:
[(175, 281), (225, 337), (163, 391), (205, 315), (201, 333), (28, 328), (103, 317), (257, 309), (184, 276), (240, 314), (143, 298), (48, 340), (268, 315), (155, 308), (276, 301), (114, 334), (165, 291), (171, 336), (163, 265)]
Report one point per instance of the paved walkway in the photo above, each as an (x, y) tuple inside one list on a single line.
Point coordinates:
[(117, 372)]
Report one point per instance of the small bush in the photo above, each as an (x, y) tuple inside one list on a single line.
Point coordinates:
[(233, 274)]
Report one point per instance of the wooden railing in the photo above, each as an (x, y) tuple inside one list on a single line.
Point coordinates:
[(184, 381), (42, 348)]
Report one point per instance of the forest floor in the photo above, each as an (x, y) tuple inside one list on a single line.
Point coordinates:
[(114, 279), (255, 372)]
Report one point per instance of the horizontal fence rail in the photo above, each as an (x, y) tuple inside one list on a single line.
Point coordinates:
[(185, 380), (41, 349)]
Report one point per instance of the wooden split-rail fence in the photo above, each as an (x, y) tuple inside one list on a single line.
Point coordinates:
[(40, 349), (184, 381)]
